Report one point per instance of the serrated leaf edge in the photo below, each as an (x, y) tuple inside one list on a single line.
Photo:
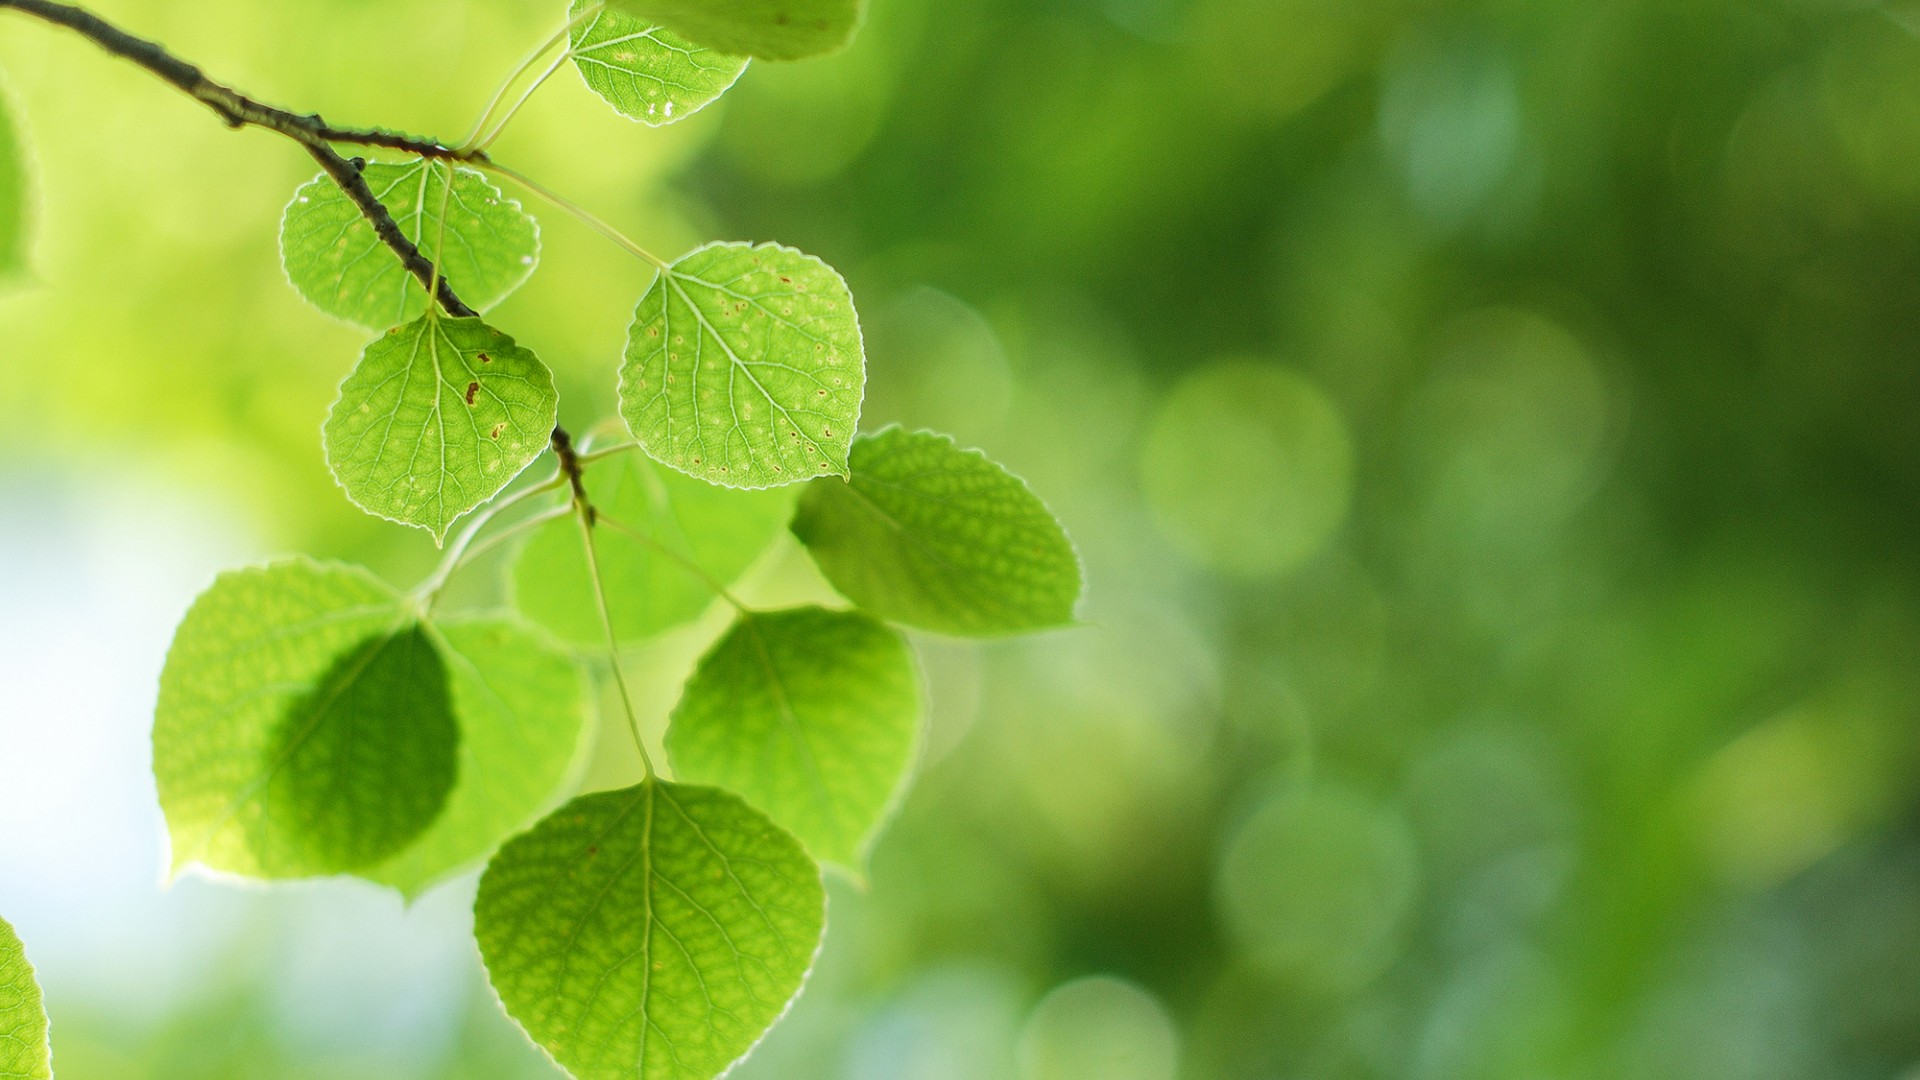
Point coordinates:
[(325, 182), (844, 470)]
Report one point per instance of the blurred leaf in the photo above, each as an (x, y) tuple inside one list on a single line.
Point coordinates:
[(768, 29), (13, 198), (813, 716), (304, 726), (718, 529), (522, 706), (24, 1050), (774, 334), (653, 933), (645, 71), (940, 538), (438, 416), (484, 244)]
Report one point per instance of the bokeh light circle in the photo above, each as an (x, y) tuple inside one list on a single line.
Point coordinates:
[(1248, 468), (1316, 885), (1099, 1028)]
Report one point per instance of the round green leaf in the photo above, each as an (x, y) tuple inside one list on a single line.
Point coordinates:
[(645, 71), (653, 933), (718, 529), (768, 29), (521, 702), (25, 1053), (437, 417), (744, 367), (813, 716), (484, 244), (304, 726), (936, 537)]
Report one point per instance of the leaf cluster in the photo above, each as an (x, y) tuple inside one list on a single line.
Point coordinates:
[(313, 720)]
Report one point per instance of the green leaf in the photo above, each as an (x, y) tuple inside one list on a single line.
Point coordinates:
[(940, 538), (811, 715), (438, 416), (744, 367), (14, 205), (25, 1053), (304, 725), (522, 705), (484, 244), (645, 71), (768, 29), (653, 933), (720, 530)]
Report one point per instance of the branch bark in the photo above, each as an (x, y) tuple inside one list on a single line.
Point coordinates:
[(237, 110)]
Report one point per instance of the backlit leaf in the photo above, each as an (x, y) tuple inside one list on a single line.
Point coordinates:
[(813, 716), (768, 29), (719, 529), (653, 933), (484, 244), (438, 416), (522, 705), (645, 71), (304, 726), (744, 367), (940, 538), (24, 1050)]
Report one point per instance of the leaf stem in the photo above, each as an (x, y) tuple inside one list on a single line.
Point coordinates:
[(608, 451), (585, 216), (685, 563), (473, 141), (457, 552), (500, 126), (587, 517)]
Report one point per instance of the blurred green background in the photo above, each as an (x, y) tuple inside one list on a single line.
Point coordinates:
[(1489, 427)]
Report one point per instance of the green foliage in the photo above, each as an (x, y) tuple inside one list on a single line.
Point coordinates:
[(304, 726), (813, 716), (13, 197), (479, 237), (718, 530), (313, 721), (439, 415), (522, 705), (644, 70), (744, 367), (768, 29), (24, 1050), (940, 538), (653, 933)]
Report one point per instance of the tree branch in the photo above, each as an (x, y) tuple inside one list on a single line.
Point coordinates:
[(310, 131)]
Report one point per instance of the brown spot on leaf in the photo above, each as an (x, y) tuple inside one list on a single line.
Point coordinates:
[(472, 389), (485, 359)]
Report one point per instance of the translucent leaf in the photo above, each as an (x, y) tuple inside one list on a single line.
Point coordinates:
[(304, 726), (811, 715), (522, 704), (718, 529), (653, 933), (940, 538), (13, 199), (438, 416), (485, 244), (24, 1050), (644, 70), (744, 367), (768, 29)]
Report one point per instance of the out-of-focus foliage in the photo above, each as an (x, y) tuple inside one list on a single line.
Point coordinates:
[(1487, 426), (13, 196)]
